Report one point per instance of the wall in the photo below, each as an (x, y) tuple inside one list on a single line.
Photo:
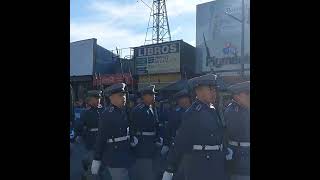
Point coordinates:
[(105, 63), (188, 59), (81, 57)]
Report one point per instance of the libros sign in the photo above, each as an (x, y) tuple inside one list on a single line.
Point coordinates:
[(158, 58)]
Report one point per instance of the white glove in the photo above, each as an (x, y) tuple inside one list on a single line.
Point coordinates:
[(95, 167), (167, 176), (160, 143), (135, 141), (164, 150), (229, 155), (78, 139)]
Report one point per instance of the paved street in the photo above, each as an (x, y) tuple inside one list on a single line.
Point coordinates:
[(76, 170)]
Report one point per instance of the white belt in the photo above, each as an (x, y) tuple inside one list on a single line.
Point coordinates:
[(242, 144), (146, 133), (93, 129), (118, 139), (207, 147)]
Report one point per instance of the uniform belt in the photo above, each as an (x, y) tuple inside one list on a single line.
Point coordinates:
[(118, 139), (146, 133), (207, 147), (93, 129), (242, 144)]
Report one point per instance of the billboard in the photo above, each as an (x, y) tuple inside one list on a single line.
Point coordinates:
[(157, 58), (81, 57), (218, 37)]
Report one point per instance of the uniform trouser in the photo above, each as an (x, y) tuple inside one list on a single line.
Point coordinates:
[(239, 177), (179, 175), (76, 170), (119, 173), (159, 165), (143, 169), (103, 173)]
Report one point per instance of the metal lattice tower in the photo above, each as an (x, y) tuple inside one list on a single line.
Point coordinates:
[(159, 29)]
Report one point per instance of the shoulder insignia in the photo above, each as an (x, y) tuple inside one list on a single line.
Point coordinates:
[(198, 108), (111, 109), (141, 106), (191, 107)]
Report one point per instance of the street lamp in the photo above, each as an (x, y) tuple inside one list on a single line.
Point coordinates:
[(242, 21)]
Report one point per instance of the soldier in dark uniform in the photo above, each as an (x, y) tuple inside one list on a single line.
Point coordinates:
[(145, 126), (71, 119), (237, 117), (159, 160), (183, 100), (87, 127), (113, 143), (200, 137)]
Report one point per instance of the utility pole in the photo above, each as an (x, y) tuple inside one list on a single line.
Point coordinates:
[(160, 30), (242, 21)]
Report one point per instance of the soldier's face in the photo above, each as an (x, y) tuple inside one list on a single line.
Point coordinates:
[(148, 98), (93, 101), (118, 99), (244, 99), (184, 102), (206, 93)]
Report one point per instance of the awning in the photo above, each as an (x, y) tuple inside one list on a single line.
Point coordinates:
[(80, 78), (176, 86)]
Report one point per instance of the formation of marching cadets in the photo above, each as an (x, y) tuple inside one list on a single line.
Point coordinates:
[(194, 144)]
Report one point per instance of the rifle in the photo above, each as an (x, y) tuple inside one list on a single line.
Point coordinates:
[(209, 59), (99, 86), (102, 90)]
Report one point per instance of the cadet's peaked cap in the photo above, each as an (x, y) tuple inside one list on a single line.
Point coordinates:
[(205, 80), (182, 93), (116, 88), (94, 93), (148, 90), (240, 87)]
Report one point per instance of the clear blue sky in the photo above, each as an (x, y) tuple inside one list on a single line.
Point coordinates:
[(123, 23)]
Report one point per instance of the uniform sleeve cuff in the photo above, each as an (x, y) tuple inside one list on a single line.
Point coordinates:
[(97, 158), (171, 169)]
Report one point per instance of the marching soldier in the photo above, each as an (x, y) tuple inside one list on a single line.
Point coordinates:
[(183, 100), (87, 127), (200, 137), (145, 126), (113, 144), (237, 117)]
